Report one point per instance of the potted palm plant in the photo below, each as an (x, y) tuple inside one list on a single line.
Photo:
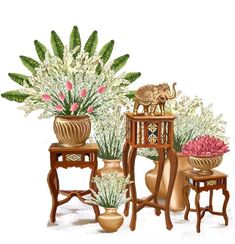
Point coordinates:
[(194, 119), (110, 195), (71, 84)]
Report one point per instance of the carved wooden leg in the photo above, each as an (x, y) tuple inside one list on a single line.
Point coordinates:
[(226, 195), (53, 183), (198, 210), (131, 160), (93, 186), (173, 171), (186, 200), (126, 171), (211, 200), (161, 153)]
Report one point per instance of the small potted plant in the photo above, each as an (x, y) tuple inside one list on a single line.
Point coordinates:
[(109, 134), (205, 153), (110, 195)]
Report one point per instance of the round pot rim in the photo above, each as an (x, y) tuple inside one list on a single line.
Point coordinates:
[(111, 160), (207, 157), (72, 117)]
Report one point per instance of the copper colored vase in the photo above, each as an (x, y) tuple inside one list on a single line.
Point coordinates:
[(110, 220), (150, 180), (111, 166), (72, 131)]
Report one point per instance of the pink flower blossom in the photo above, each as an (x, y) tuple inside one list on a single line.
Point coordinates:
[(205, 146), (74, 107), (83, 92), (69, 85), (46, 97), (90, 109), (101, 89), (59, 108), (61, 97)]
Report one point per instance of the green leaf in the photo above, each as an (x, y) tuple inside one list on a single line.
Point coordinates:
[(91, 43), (132, 76), (106, 51), (29, 63), (18, 78), (119, 62), (75, 39), (98, 69), (15, 96), (57, 45), (131, 95), (40, 49)]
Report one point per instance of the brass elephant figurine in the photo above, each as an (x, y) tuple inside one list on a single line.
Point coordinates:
[(151, 96)]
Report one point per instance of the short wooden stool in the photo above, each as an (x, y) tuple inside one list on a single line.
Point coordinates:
[(66, 157), (199, 184)]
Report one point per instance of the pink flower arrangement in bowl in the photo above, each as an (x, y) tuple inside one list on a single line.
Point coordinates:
[(205, 153)]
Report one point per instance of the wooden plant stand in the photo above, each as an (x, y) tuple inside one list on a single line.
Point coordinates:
[(205, 183), (149, 132), (66, 157)]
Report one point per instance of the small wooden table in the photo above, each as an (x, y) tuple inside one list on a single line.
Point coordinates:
[(149, 132), (199, 184), (66, 157)]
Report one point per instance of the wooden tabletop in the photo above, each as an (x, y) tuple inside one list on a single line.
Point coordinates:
[(141, 116), (216, 175), (87, 147)]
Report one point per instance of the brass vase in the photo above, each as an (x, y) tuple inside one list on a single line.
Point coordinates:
[(111, 166), (177, 199), (72, 131), (110, 220), (150, 181)]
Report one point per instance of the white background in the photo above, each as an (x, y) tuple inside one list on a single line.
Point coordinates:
[(190, 42)]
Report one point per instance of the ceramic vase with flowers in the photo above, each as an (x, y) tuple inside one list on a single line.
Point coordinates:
[(205, 153), (111, 193), (71, 84)]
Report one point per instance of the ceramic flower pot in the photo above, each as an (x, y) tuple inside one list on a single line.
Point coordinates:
[(205, 164), (111, 166), (177, 199), (110, 220), (72, 131)]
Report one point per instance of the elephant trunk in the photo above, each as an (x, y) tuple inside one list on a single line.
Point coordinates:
[(173, 94)]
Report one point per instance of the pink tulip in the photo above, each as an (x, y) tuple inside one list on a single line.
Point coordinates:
[(61, 97), (90, 109), (69, 85), (74, 107), (101, 89), (83, 92), (59, 108), (46, 97)]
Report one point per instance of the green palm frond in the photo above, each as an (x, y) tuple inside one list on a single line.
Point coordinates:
[(57, 45), (15, 96), (18, 78), (29, 63), (40, 49), (91, 43), (119, 62), (106, 51), (75, 39), (132, 76)]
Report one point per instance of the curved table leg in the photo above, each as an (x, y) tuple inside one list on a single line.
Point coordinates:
[(226, 195), (131, 161), (125, 153), (198, 210), (173, 171), (53, 183), (186, 200), (161, 153)]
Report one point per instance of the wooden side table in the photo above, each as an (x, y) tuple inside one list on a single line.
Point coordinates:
[(149, 132), (65, 157), (205, 183)]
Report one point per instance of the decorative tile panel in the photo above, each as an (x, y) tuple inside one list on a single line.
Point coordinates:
[(73, 157), (152, 133)]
